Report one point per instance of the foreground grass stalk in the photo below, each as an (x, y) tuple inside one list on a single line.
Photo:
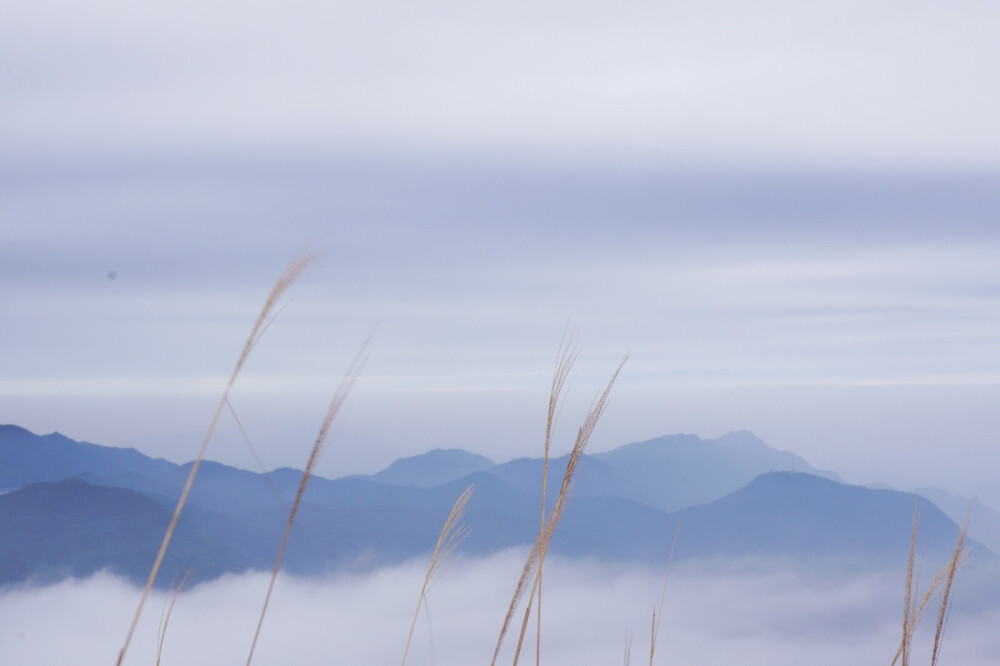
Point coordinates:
[(522, 585), (658, 611), (952, 566), (913, 611), (166, 620), (564, 363), (253, 452), (583, 436), (451, 535), (290, 274), (904, 647), (338, 400)]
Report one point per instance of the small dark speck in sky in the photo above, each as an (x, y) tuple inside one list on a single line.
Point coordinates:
[(112, 275)]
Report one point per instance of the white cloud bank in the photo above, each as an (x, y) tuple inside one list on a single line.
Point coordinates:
[(589, 610)]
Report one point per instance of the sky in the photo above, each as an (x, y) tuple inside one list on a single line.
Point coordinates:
[(785, 213)]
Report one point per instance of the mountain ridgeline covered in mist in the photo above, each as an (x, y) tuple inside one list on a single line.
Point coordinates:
[(73, 508)]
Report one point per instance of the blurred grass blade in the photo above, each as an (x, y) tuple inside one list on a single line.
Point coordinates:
[(287, 278)]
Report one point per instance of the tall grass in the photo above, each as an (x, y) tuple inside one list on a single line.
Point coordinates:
[(452, 534), (575, 456), (564, 363), (165, 616), (532, 569), (338, 400), (912, 609), (658, 610), (957, 556), (287, 278), (454, 531), (519, 589)]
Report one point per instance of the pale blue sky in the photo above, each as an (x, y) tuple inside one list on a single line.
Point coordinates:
[(787, 214)]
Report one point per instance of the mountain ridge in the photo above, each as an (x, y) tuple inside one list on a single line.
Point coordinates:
[(362, 521)]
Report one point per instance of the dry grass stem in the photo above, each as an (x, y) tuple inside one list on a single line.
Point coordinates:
[(166, 620), (658, 611), (253, 452), (952, 566), (350, 378), (451, 535), (565, 359), (583, 436), (564, 363), (904, 647), (287, 278), (628, 650), (522, 585), (913, 611)]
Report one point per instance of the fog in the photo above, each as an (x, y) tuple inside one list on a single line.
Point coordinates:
[(710, 616)]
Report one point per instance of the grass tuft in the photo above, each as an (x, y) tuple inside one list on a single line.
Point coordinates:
[(545, 538), (913, 611), (943, 611), (452, 534)]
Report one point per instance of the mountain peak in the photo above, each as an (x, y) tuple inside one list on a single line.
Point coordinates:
[(433, 468), (739, 438)]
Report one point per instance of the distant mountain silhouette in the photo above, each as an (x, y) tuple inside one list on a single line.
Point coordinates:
[(113, 515), (984, 521), (793, 514), (432, 468), (676, 471), (668, 473), (70, 528), (29, 458)]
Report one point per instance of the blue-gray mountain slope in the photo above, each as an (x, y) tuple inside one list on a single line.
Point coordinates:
[(29, 458), (432, 468), (70, 528), (236, 518)]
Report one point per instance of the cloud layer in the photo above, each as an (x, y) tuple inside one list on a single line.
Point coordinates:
[(590, 610)]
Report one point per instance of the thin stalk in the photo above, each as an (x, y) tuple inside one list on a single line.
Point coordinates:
[(904, 646), (658, 611), (946, 595), (913, 612), (166, 620), (253, 452), (583, 436), (564, 363), (350, 378), (290, 274), (451, 535), (522, 585)]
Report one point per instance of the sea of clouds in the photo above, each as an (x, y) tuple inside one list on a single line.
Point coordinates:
[(711, 615)]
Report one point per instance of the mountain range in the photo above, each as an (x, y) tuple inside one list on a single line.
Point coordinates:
[(72, 508)]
